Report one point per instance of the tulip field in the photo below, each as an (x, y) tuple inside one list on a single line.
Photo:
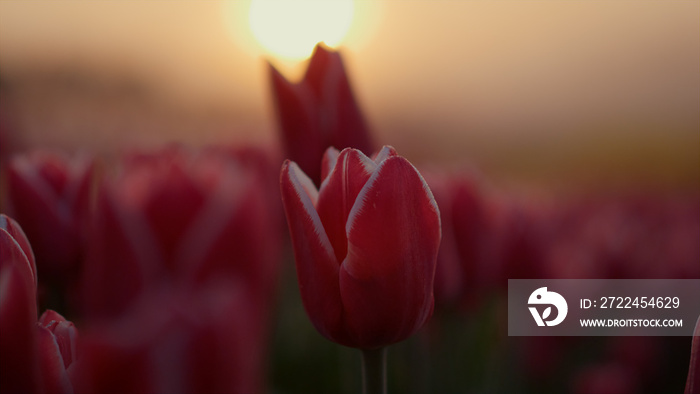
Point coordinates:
[(330, 261)]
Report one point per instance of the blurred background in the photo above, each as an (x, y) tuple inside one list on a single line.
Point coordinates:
[(576, 92), (592, 107)]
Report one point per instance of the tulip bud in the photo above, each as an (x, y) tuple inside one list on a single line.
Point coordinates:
[(49, 194), (177, 218), (460, 275), (17, 310), (318, 112), (57, 342), (365, 245), (206, 341)]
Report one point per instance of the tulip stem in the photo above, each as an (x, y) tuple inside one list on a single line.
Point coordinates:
[(374, 371)]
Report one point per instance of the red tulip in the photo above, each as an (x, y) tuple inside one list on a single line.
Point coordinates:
[(177, 217), (177, 342), (692, 384), (34, 357), (49, 194), (365, 246), (57, 342), (17, 310), (318, 112)]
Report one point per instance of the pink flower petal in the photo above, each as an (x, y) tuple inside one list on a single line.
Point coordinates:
[(322, 73), (14, 233), (338, 193), (17, 329), (53, 370), (386, 152), (317, 269), (340, 118), (328, 162), (386, 280), (65, 333), (298, 116)]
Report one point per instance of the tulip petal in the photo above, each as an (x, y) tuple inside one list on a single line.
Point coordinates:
[(317, 269), (172, 208), (50, 315), (340, 117), (64, 332), (14, 231), (121, 255), (44, 190), (386, 152), (298, 120), (44, 178), (17, 326), (386, 280), (53, 370), (322, 72), (448, 272), (328, 162), (338, 193)]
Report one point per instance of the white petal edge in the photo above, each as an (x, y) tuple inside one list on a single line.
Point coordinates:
[(384, 154), (308, 195), (24, 166), (213, 217), (368, 164), (330, 158), (17, 245), (360, 201)]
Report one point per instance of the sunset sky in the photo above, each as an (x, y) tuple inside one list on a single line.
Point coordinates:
[(452, 74)]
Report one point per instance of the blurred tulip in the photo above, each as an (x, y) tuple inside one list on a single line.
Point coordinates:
[(57, 343), (608, 378), (449, 281), (177, 217), (207, 341), (34, 357), (523, 240), (318, 112), (49, 193), (18, 368), (365, 246), (462, 272), (692, 384), (17, 252)]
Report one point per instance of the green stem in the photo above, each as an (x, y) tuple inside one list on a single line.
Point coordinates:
[(374, 371)]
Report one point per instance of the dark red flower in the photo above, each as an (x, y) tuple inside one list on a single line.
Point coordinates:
[(204, 341), (365, 245), (318, 112), (462, 270), (178, 217), (17, 310), (49, 193), (57, 343)]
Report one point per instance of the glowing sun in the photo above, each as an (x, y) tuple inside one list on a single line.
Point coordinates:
[(290, 29)]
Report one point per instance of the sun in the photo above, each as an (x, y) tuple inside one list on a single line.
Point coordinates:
[(289, 29)]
